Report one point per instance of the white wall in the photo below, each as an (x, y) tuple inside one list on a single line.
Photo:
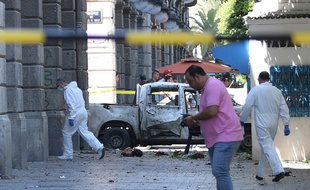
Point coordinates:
[(101, 55), (296, 146)]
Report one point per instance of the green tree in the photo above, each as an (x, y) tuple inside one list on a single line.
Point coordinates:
[(231, 15), (204, 20)]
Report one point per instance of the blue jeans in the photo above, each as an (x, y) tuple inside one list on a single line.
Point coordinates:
[(220, 155)]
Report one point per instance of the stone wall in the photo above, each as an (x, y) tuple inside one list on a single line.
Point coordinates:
[(32, 111)]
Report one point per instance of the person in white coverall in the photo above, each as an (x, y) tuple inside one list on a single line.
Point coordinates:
[(76, 120), (269, 104)]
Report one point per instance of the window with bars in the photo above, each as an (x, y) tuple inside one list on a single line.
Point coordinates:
[(294, 83)]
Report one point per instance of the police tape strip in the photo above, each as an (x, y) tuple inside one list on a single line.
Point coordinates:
[(31, 36), (120, 91), (111, 90), (125, 92)]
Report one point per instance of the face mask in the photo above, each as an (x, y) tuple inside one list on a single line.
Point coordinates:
[(60, 89)]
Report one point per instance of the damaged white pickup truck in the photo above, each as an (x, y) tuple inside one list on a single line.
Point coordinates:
[(155, 119), (149, 121)]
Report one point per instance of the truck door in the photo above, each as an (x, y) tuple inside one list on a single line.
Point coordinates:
[(162, 113)]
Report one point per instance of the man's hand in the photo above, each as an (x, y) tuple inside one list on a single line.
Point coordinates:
[(287, 130), (242, 126), (71, 122), (189, 121), (242, 123)]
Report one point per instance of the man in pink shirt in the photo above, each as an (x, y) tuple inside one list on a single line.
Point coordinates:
[(218, 121)]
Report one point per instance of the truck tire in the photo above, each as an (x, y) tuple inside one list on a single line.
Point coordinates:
[(246, 144), (116, 138)]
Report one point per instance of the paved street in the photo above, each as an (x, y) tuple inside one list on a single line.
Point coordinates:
[(166, 172)]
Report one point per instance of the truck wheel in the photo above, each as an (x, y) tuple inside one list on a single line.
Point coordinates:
[(246, 144), (116, 138)]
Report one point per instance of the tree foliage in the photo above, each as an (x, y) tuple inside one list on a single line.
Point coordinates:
[(205, 20), (220, 17), (231, 15)]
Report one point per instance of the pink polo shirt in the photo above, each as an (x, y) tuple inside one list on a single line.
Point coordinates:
[(225, 126)]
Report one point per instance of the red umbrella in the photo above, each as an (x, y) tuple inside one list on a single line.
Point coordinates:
[(180, 67)]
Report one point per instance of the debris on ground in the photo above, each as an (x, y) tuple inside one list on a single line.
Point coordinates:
[(160, 153), (196, 155), (132, 152), (179, 154)]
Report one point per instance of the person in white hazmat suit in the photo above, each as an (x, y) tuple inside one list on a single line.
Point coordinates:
[(76, 120), (269, 104)]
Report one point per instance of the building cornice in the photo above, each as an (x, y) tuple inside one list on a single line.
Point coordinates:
[(280, 16)]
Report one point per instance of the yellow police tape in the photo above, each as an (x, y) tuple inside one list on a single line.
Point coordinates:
[(111, 90), (25, 36), (302, 37), (32, 36), (154, 38), (90, 91), (125, 92)]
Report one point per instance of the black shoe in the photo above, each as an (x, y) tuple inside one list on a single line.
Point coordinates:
[(289, 173), (101, 153), (278, 177), (259, 178)]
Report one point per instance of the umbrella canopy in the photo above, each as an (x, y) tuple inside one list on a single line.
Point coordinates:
[(180, 67)]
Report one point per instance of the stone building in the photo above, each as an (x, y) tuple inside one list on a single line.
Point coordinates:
[(130, 60), (31, 109)]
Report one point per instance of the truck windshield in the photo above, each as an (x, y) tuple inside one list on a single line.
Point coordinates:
[(171, 96), (162, 96)]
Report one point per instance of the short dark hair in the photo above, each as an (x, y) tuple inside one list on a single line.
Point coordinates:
[(137, 152), (194, 69), (61, 80), (155, 71), (226, 77), (167, 77), (264, 75), (142, 77)]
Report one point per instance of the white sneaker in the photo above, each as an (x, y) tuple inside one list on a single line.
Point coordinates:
[(65, 157), (101, 152)]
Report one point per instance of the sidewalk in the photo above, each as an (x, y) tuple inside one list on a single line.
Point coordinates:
[(115, 172)]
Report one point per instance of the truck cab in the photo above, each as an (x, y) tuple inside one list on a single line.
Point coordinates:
[(162, 106), (154, 119)]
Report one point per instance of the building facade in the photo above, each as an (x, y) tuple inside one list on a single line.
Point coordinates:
[(288, 65), (32, 111), (130, 60)]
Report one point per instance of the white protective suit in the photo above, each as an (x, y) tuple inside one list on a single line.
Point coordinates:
[(76, 111), (269, 104)]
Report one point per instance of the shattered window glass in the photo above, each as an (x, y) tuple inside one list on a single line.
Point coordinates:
[(163, 97)]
